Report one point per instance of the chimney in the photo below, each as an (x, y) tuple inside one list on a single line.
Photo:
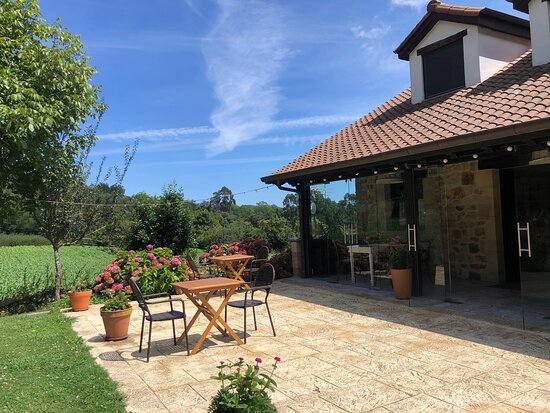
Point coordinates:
[(539, 16)]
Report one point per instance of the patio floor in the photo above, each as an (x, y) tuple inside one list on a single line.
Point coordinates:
[(342, 352)]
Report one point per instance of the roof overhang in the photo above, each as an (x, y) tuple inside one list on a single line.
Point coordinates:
[(527, 132), (488, 18), (522, 5)]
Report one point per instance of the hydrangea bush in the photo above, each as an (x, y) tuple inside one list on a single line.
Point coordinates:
[(154, 269), (248, 246)]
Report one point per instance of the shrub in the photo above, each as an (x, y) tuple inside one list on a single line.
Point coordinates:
[(116, 302), (248, 246), (154, 269), (13, 240), (244, 388), (283, 264)]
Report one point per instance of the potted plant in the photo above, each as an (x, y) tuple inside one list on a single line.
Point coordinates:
[(400, 271), (116, 313), (244, 388), (80, 295)]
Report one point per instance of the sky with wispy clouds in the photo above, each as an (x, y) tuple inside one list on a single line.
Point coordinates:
[(223, 92)]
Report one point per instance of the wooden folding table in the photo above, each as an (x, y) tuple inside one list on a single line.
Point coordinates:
[(199, 293), (233, 265)]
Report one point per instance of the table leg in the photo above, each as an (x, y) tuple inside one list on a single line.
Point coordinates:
[(371, 269), (200, 310), (352, 267)]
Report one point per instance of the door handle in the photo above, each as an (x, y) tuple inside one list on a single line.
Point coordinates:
[(528, 233), (412, 244)]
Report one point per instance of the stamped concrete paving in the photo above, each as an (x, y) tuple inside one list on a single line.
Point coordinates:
[(341, 353)]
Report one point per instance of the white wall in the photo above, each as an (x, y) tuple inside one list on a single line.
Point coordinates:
[(496, 50), (539, 15)]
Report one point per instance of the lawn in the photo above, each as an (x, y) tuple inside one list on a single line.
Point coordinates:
[(45, 367), (29, 270)]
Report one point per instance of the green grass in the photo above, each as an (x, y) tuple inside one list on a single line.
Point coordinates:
[(45, 367), (26, 271)]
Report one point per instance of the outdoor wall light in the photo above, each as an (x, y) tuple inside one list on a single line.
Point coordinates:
[(475, 156), (356, 173), (547, 143), (375, 172), (324, 179), (311, 181), (395, 168), (339, 176), (445, 160), (419, 165), (509, 148), (298, 184)]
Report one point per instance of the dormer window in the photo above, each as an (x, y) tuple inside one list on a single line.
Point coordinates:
[(443, 65)]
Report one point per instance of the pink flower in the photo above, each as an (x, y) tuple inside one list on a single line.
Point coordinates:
[(137, 259), (111, 290), (109, 280), (151, 256), (98, 279), (128, 290), (118, 287), (115, 269), (277, 359), (158, 265), (258, 360), (176, 261), (149, 247), (135, 273), (131, 252)]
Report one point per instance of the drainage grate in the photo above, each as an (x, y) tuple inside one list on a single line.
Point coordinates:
[(111, 356)]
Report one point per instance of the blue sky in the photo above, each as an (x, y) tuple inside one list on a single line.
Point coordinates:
[(223, 92)]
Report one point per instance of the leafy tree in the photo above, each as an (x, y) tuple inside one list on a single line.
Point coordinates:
[(277, 232), (45, 92), (222, 200), (167, 223), (290, 211)]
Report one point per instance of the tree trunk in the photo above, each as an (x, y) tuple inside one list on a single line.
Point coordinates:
[(58, 271)]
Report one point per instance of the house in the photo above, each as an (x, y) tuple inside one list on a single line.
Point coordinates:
[(458, 165)]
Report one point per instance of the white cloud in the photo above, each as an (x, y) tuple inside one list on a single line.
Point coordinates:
[(373, 33), (283, 124), (243, 68), (410, 3)]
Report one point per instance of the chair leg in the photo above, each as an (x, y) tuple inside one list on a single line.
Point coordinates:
[(141, 335), (254, 314), (270, 319), (225, 318), (244, 325), (149, 342), (174, 330)]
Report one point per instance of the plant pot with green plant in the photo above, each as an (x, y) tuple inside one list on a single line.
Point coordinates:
[(116, 312), (80, 294), (401, 272), (244, 388)]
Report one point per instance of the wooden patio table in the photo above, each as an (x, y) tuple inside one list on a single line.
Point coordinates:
[(199, 293), (233, 265)]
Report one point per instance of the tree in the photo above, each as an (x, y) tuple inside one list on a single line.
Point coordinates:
[(222, 200), (65, 208), (45, 92), (290, 211), (166, 223)]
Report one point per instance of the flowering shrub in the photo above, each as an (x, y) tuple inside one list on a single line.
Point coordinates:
[(398, 254), (248, 246), (283, 264), (154, 269), (244, 388)]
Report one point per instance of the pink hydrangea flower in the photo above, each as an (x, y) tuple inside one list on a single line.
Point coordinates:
[(176, 261), (118, 287), (137, 259), (131, 252), (149, 247), (98, 279), (128, 290), (109, 280), (151, 256), (111, 290), (115, 269)]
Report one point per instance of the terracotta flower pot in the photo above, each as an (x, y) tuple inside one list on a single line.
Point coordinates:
[(80, 300), (116, 324), (401, 280)]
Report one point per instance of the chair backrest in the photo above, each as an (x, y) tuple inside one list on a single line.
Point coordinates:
[(262, 253), (264, 277), (139, 296), (192, 264)]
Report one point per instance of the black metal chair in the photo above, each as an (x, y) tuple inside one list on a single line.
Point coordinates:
[(193, 265), (172, 315), (263, 281)]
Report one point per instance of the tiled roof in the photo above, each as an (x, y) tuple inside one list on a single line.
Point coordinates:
[(517, 94)]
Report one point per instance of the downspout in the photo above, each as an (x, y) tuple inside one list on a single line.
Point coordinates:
[(304, 219)]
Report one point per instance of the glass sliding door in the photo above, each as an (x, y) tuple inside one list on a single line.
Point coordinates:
[(532, 193), (432, 255)]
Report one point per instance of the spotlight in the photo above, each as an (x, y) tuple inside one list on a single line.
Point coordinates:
[(311, 181), (375, 172), (339, 176), (419, 165), (356, 173), (509, 148), (324, 179), (395, 168), (475, 156), (445, 160)]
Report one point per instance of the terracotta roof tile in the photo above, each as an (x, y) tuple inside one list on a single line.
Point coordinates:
[(518, 93)]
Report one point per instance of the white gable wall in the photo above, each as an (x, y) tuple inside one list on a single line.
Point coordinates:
[(485, 53), (539, 16)]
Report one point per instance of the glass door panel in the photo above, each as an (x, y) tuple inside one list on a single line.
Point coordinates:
[(532, 190), (432, 256)]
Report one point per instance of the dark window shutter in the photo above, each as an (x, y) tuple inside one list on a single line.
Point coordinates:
[(444, 69)]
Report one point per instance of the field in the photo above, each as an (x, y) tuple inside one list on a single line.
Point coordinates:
[(27, 271)]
